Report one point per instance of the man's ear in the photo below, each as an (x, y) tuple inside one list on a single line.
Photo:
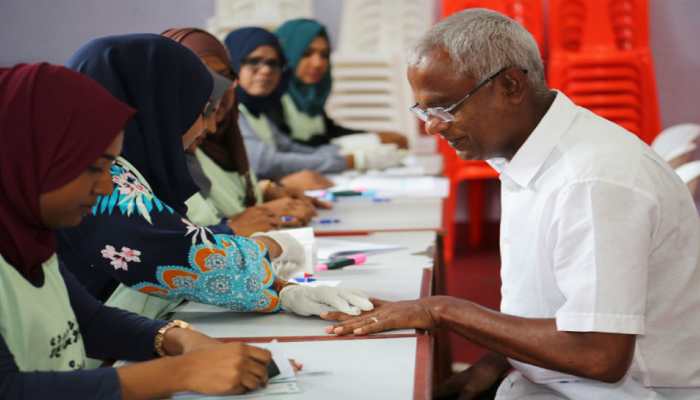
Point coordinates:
[(514, 83)]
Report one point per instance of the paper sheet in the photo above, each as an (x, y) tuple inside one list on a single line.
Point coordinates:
[(329, 248)]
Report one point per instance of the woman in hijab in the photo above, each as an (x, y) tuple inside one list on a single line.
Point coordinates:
[(49, 322), (139, 235), (258, 60), (300, 113), (219, 163)]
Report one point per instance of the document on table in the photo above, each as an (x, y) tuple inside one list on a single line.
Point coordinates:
[(329, 248)]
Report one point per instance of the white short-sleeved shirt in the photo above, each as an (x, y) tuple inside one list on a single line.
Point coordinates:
[(598, 233)]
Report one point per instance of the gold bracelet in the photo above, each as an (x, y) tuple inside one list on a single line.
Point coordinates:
[(160, 336)]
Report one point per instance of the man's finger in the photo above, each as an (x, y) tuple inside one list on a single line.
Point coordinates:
[(349, 326), (378, 325), (336, 316)]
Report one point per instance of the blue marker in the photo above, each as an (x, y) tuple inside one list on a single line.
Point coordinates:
[(326, 221), (304, 280)]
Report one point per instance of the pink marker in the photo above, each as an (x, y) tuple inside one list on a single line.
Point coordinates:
[(355, 259)]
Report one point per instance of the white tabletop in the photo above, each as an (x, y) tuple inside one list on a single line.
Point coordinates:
[(351, 369), (365, 215)]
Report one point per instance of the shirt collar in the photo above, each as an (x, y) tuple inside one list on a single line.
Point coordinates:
[(530, 157)]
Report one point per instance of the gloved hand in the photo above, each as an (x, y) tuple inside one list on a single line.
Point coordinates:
[(293, 257), (307, 300), (380, 157), (357, 141)]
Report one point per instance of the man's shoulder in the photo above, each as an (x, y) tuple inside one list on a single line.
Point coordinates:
[(595, 148)]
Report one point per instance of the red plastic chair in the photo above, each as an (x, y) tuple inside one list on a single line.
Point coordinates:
[(599, 56), (530, 14)]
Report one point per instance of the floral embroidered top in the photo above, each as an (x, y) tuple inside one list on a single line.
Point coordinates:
[(132, 237)]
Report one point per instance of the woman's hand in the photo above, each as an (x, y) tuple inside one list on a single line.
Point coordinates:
[(306, 300), (178, 341), (291, 212), (393, 137), (229, 368), (306, 180), (274, 191), (254, 219)]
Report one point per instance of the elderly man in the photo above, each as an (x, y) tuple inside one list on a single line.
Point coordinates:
[(599, 237)]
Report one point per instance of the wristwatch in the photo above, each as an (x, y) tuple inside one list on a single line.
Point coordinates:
[(176, 323)]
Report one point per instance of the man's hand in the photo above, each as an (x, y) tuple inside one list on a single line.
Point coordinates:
[(386, 316), (475, 380)]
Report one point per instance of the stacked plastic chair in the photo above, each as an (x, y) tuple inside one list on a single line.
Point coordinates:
[(370, 90), (677, 144), (230, 15), (599, 56), (367, 92), (530, 14)]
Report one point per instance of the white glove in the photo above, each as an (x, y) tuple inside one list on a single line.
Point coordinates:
[(292, 260), (381, 157), (357, 141), (308, 300)]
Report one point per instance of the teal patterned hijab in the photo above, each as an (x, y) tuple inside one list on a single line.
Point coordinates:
[(295, 36)]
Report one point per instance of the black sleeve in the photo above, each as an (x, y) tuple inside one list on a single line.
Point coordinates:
[(110, 333), (334, 130), (97, 384), (276, 114)]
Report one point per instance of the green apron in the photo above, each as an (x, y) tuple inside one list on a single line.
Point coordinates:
[(227, 192), (38, 323), (261, 125), (302, 125)]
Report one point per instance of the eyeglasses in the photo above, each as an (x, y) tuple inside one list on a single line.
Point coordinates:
[(444, 114), (257, 62)]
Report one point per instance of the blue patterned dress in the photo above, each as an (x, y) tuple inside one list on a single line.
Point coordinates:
[(132, 237)]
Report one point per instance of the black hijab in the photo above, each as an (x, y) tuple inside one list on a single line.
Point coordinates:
[(240, 44), (168, 86)]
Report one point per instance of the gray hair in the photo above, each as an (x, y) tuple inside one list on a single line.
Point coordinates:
[(480, 42)]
